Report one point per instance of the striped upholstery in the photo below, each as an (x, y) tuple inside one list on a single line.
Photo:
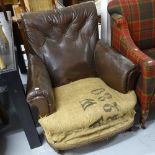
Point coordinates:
[(133, 33)]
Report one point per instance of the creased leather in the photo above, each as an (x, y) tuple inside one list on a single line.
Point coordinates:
[(61, 45), (116, 70), (65, 40), (39, 88)]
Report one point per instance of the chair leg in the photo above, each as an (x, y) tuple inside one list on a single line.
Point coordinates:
[(4, 116), (144, 116)]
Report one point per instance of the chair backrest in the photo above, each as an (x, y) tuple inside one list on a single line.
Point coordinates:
[(65, 40), (140, 15), (37, 5)]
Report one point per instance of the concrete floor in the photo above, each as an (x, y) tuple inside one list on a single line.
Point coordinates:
[(137, 142)]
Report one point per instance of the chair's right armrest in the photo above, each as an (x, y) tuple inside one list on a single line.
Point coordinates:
[(39, 87), (115, 69)]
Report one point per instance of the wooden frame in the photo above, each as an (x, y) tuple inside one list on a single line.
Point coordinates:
[(25, 2)]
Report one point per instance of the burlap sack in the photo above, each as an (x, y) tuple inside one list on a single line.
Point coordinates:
[(87, 110)]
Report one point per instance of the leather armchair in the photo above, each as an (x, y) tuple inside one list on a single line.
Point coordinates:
[(116, 70), (64, 47), (133, 36), (63, 53)]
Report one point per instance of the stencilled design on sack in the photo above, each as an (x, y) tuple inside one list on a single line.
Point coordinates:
[(101, 121), (106, 96), (112, 118), (87, 103), (101, 95), (97, 123), (109, 107), (97, 91)]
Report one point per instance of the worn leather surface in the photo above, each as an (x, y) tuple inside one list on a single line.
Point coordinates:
[(39, 88), (61, 47), (65, 41), (115, 70)]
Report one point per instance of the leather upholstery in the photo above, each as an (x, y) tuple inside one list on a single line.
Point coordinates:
[(62, 44), (114, 69), (65, 40), (39, 92)]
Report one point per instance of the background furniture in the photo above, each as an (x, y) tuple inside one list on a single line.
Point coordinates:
[(37, 5), (18, 8), (6, 5), (3, 116), (3, 4), (61, 47), (10, 78), (133, 34), (27, 6)]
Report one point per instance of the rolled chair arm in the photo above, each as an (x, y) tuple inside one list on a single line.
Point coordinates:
[(122, 40), (114, 69), (119, 20), (39, 88)]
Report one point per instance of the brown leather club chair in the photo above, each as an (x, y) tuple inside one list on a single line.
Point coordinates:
[(68, 66)]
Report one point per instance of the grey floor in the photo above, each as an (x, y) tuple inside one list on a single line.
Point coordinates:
[(136, 142)]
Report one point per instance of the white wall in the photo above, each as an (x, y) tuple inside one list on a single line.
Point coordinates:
[(105, 22)]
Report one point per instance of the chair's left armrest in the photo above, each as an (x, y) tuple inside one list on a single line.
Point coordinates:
[(39, 86), (114, 69)]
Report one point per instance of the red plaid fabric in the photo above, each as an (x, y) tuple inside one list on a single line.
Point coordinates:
[(130, 35), (140, 17)]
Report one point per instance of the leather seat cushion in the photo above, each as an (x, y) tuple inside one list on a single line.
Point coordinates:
[(87, 110)]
